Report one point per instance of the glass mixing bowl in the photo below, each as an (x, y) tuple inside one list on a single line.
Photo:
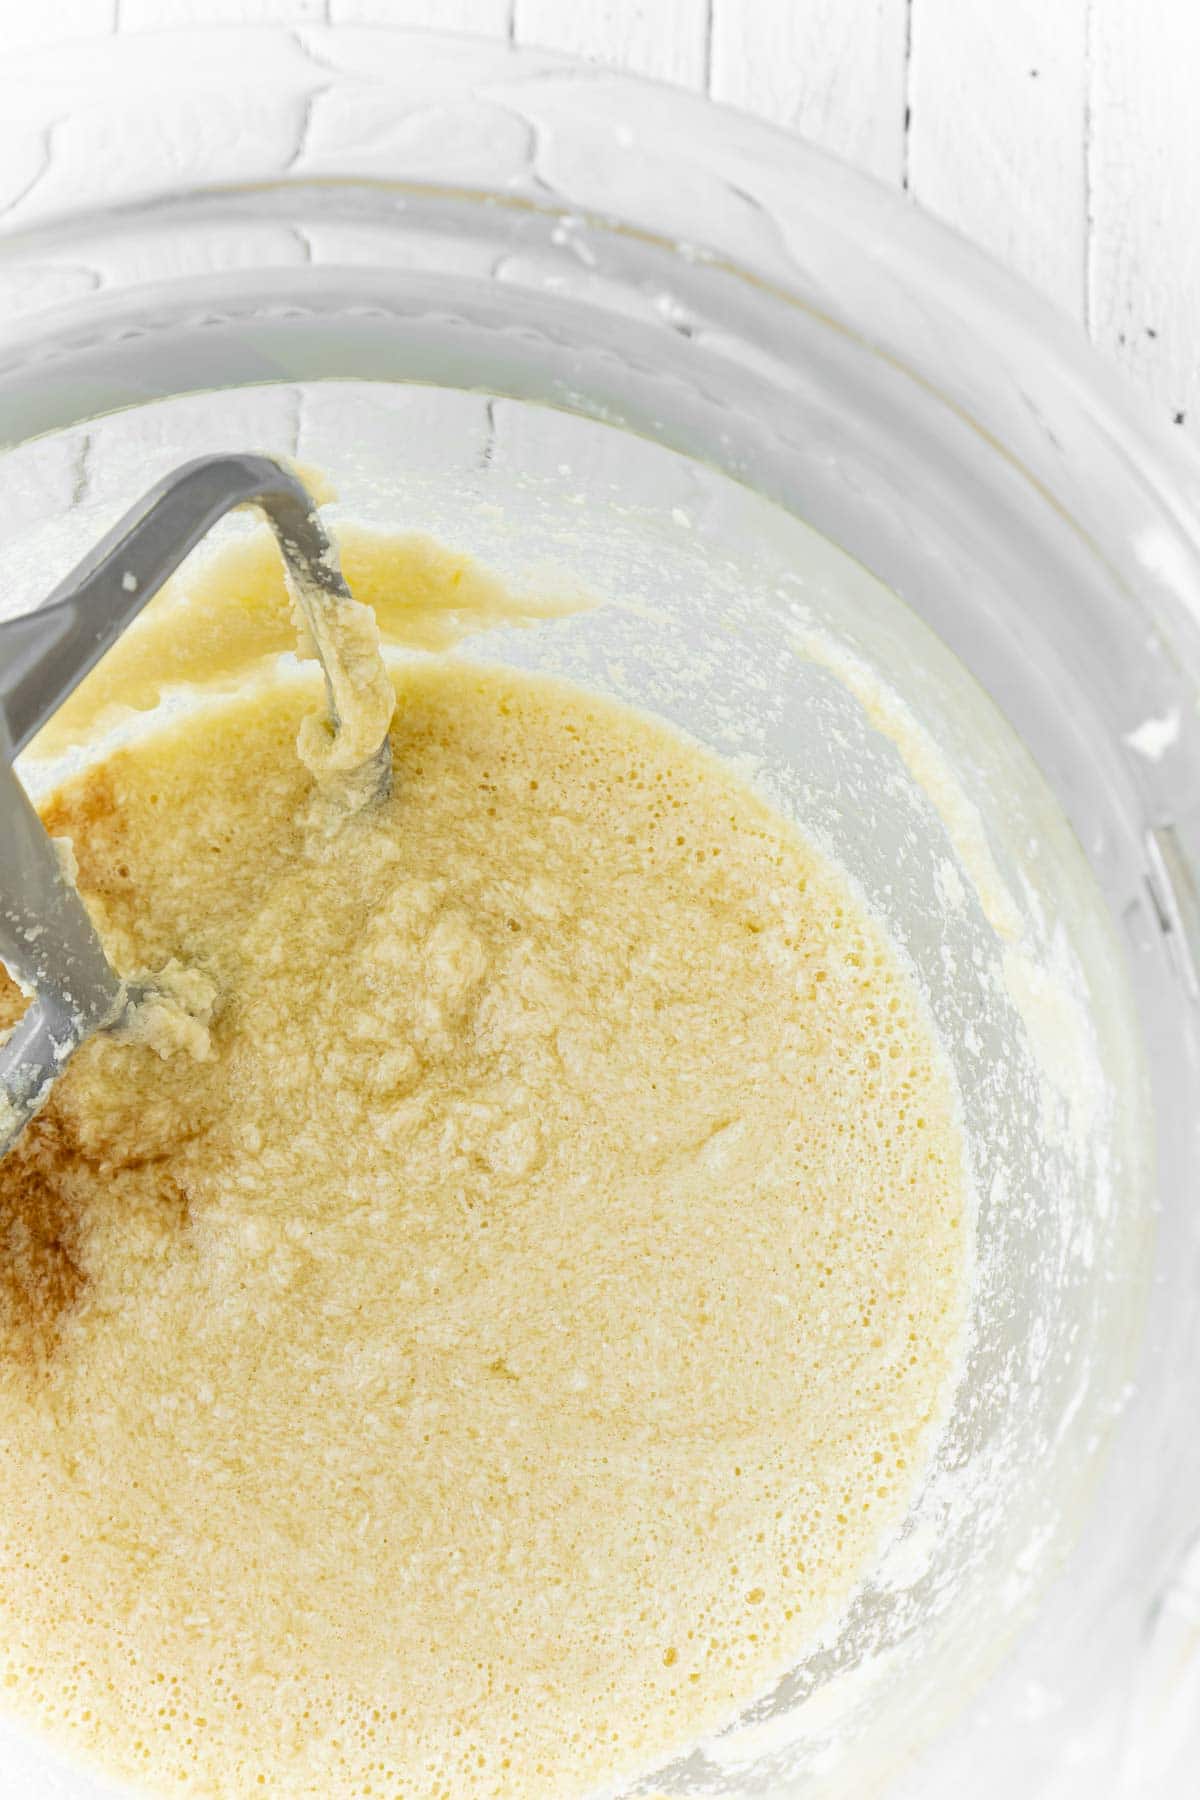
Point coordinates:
[(861, 513)]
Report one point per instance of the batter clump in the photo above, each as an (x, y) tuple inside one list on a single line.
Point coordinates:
[(490, 1364)]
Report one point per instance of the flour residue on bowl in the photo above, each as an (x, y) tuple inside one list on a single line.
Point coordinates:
[(1036, 969)]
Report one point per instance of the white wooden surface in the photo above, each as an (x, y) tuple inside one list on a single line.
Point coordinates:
[(1063, 135)]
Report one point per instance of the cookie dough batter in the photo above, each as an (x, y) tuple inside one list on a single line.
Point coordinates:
[(491, 1364)]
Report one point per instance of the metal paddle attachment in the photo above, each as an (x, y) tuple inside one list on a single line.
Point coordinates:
[(47, 941)]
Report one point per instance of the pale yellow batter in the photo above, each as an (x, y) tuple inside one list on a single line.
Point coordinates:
[(492, 1362)]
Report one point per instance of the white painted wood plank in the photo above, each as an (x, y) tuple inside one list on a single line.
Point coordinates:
[(490, 17), (997, 98), (1144, 178), (153, 15), (32, 24), (833, 70), (664, 38), (992, 147)]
